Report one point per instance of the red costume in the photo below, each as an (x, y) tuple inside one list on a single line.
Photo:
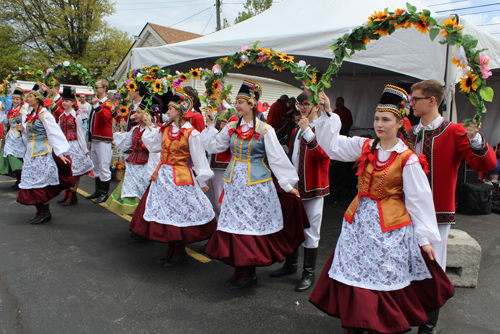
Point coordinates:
[(276, 114), (444, 148), (57, 109), (101, 122), (221, 160), (68, 126), (198, 122)]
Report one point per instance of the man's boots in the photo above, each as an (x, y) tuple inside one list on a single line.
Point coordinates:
[(289, 267), (97, 191), (308, 278), (103, 196)]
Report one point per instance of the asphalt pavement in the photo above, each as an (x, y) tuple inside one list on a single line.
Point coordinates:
[(80, 273)]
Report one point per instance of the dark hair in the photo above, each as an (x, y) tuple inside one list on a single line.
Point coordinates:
[(403, 133), (193, 94), (255, 111), (303, 97), (57, 84), (340, 98), (142, 89), (297, 113)]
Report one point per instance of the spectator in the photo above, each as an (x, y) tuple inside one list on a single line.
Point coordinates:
[(345, 116), (84, 109), (275, 117), (494, 173)]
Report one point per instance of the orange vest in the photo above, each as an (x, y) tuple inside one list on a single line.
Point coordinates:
[(175, 152), (383, 184)]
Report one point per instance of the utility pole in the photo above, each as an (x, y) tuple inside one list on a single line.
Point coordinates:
[(217, 8)]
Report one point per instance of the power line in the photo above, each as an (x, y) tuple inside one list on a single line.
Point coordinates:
[(447, 3), (192, 16), (208, 22), (149, 8), (158, 3), (488, 11), (449, 10)]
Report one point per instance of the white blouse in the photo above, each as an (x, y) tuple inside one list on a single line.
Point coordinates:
[(79, 130), (418, 194), (152, 139), (217, 142)]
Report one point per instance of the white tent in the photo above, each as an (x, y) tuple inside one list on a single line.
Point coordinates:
[(305, 29)]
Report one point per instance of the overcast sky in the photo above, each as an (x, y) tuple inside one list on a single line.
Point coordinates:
[(133, 15)]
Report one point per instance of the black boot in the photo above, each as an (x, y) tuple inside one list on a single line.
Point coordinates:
[(66, 195), (103, 196), (168, 254), (18, 180), (38, 212), (238, 271), (44, 216), (179, 257), (432, 320), (72, 199), (97, 191), (136, 238), (247, 279), (290, 266), (308, 274)]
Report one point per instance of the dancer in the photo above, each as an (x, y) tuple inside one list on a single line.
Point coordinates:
[(444, 145), (71, 125), (56, 106), (251, 231), (130, 190), (174, 209), (382, 275), (11, 156), (196, 120), (46, 170), (312, 165)]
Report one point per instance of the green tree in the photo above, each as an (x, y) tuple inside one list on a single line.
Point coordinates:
[(52, 31), (11, 57), (252, 8)]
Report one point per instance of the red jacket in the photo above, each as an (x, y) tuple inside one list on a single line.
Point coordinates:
[(276, 114), (101, 123), (444, 149), (314, 166), (198, 122), (57, 109), (221, 160)]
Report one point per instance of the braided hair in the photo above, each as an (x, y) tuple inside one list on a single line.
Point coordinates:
[(254, 118)]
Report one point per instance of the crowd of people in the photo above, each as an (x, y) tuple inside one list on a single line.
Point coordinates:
[(256, 189)]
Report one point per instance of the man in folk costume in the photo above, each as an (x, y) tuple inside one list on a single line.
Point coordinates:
[(312, 165), (11, 156), (56, 107), (444, 144), (100, 138)]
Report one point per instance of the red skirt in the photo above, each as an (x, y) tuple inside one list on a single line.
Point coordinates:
[(168, 233), (263, 250), (382, 311), (42, 195)]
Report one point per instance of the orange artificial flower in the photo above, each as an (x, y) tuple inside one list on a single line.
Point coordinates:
[(183, 77), (468, 82), (452, 24), (378, 16), (422, 25), (380, 32), (366, 41), (240, 65)]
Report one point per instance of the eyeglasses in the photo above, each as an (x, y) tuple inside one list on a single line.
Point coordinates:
[(303, 105), (99, 86), (415, 99)]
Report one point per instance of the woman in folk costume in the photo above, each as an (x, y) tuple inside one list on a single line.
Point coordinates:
[(382, 276), (174, 209), (138, 168), (72, 126), (251, 230), (11, 156), (46, 169)]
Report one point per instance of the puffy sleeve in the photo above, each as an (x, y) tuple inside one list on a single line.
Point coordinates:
[(152, 139), (278, 161), (123, 141), (80, 135), (3, 118), (200, 162), (213, 141), (419, 203), (57, 139), (340, 148)]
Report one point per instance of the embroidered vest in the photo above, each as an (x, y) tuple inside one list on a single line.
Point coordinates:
[(68, 126), (252, 151), (384, 185), (139, 154), (38, 135), (175, 152)]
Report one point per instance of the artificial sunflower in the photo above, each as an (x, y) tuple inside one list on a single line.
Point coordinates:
[(366, 41), (278, 68), (157, 86), (399, 12), (451, 24), (154, 69), (380, 32), (422, 25), (148, 78), (404, 25), (286, 58), (183, 77), (224, 59), (240, 65), (216, 85), (468, 82), (195, 73), (123, 110), (132, 86), (314, 78), (378, 16), (456, 62), (53, 81)]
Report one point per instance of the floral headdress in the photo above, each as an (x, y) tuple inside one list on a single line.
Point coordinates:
[(41, 92), (394, 99), (181, 101), (250, 91)]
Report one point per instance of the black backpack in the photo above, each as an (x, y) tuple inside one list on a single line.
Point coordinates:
[(475, 198)]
